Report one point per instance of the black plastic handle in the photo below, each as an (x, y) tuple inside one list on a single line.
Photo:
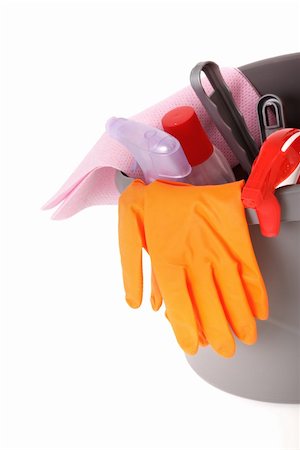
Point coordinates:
[(225, 113)]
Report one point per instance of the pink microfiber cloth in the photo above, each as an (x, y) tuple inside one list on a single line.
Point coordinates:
[(93, 182)]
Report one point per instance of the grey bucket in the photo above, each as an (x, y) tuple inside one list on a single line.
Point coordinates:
[(269, 370)]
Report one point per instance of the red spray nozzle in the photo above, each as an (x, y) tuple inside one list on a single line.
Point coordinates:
[(278, 159)]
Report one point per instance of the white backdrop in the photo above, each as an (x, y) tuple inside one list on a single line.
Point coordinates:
[(79, 368)]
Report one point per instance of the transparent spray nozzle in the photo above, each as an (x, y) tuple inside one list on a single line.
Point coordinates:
[(159, 155)]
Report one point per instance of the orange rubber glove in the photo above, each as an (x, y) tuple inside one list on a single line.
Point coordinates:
[(202, 257)]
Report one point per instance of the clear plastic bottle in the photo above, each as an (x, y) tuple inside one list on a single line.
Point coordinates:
[(209, 165)]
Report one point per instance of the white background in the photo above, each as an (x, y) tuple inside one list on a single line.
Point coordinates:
[(79, 368)]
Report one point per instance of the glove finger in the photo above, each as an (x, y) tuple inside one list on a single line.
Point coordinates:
[(156, 298), (202, 339), (250, 274), (131, 241), (211, 314), (179, 308), (234, 301), (255, 289)]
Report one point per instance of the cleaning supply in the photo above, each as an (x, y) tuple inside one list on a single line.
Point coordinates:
[(270, 115), (277, 164), (209, 165), (159, 155), (93, 181), (202, 258), (225, 114)]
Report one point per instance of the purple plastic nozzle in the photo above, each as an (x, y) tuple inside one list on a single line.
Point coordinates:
[(159, 155)]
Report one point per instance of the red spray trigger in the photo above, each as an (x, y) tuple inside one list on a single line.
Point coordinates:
[(277, 161)]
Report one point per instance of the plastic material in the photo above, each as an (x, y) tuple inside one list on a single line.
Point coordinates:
[(267, 106), (227, 118), (209, 165), (183, 123), (279, 158), (213, 171), (279, 76), (159, 155)]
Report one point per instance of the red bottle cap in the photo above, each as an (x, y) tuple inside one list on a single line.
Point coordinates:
[(184, 125)]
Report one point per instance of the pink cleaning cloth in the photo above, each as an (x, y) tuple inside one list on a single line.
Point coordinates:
[(93, 182)]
